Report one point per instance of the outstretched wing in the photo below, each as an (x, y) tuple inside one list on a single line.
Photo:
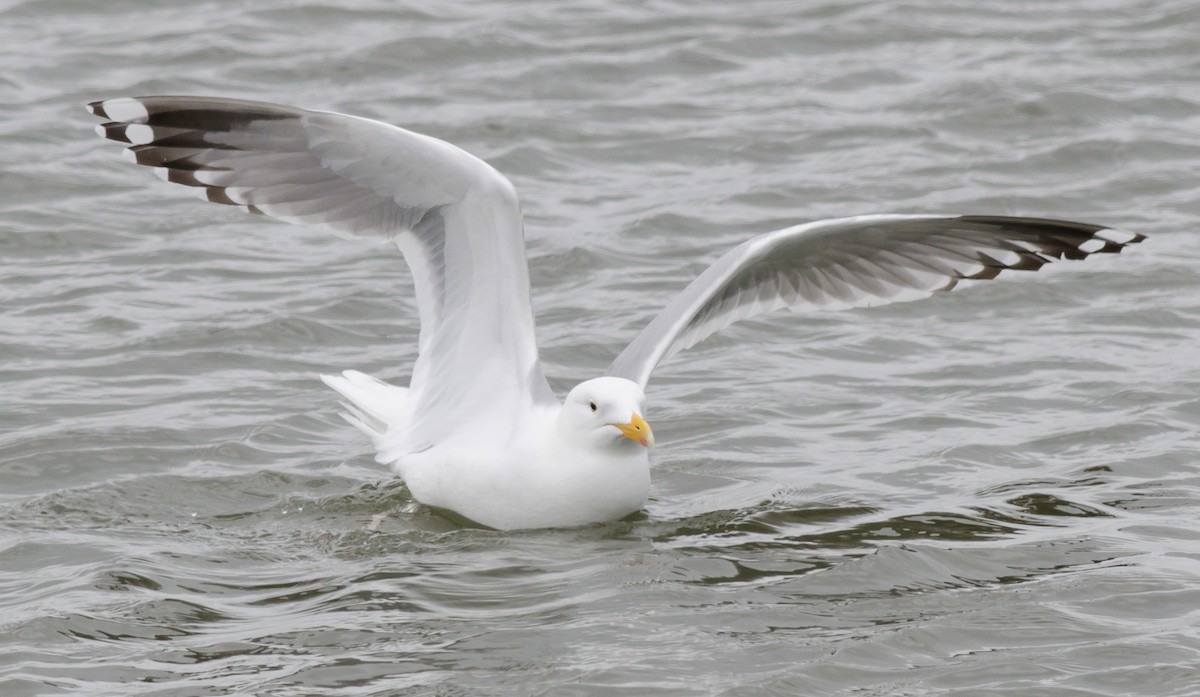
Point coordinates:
[(456, 220), (855, 262)]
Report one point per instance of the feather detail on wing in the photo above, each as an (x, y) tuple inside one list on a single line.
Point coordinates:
[(856, 262), (456, 220)]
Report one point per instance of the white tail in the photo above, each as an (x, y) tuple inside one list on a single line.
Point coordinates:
[(373, 406)]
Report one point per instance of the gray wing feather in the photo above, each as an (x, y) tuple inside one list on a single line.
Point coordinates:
[(456, 220), (855, 262)]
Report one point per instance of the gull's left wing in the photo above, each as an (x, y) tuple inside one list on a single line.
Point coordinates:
[(856, 262)]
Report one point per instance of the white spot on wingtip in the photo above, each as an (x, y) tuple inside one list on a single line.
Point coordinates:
[(209, 178), (100, 130), (139, 134), (1113, 235), (971, 270), (125, 109), (161, 172), (1006, 257), (1092, 245), (129, 155), (241, 195)]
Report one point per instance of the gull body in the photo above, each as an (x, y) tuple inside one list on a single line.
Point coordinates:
[(552, 466), (478, 430)]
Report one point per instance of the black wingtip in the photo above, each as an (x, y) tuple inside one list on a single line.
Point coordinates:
[(1136, 239), (112, 131), (1116, 239)]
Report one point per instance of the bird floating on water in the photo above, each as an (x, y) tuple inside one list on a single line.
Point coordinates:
[(478, 430)]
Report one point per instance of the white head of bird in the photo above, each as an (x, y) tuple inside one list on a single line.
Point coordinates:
[(607, 413)]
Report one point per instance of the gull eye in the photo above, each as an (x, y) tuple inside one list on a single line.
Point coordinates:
[(592, 405)]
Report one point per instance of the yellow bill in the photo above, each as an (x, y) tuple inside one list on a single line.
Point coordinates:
[(637, 429)]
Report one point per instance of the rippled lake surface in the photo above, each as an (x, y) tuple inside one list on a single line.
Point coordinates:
[(991, 492)]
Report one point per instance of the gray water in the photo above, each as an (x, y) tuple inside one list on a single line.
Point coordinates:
[(991, 492)]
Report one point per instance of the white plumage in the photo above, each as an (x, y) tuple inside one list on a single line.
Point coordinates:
[(478, 430)]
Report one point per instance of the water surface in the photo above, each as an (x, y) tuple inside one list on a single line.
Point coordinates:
[(992, 492)]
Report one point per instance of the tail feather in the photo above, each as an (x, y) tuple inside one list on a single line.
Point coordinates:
[(372, 406)]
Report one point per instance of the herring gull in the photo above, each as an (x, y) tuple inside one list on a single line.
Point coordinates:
[(478, 430)]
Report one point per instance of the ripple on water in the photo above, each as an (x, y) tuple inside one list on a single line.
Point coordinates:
[(992, 492)]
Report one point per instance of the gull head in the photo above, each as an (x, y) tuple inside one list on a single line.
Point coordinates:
[(607, 412)]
